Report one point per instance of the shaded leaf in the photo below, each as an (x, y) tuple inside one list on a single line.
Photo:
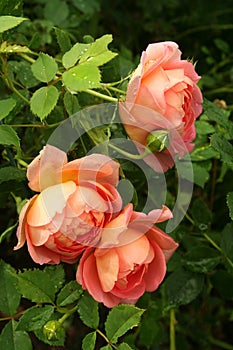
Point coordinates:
[(8, 137), (35, 318), (88, 342), (202, 259), (69, 293), (223, 283), (230, 204), (63, 39), (6, 107), (200, 175), (10, 339), (56, 11), (11, 173), (224, 147), (88, 311), (9, 294), (183, 286), (40, 286), (71, 103), (201, 214), (121, 319), (124, 346)]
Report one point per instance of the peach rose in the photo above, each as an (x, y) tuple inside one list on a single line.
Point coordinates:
[(131, 258), (76, 200), (162, 96)]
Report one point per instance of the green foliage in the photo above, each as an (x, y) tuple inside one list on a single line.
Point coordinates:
[(88, 311), (8, 22), (44, 68), (121, 319), (36, 285), (14, 340), (9, 294), (69, 293), (44, 100), (88, 342), (183, 286)]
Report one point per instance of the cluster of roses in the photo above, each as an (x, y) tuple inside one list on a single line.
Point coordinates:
[(78, 215)]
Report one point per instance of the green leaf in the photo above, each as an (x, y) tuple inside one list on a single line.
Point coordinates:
[(213, 112), (71, 103), (71, 57), (106, 347), (227, 241), (203, 127), (202, 259), (97, 52), (87, 7), (224, 147), (44, 68), (8, 22), (11, 7), (200, 174), (56, 11), (69, 293), (9, 294), (201, 153), (10, 339), (7, 232), (201, 214), (83, 77), (44, 100), (121, 319), (63, 39), (40, 286), (34, 318), (124, 346), (223, 282), (6, 107), (9, 137), (230, 204), (88, 342), (15, 48), (23, 73), (9, 173), (183, 286), (88, 311)]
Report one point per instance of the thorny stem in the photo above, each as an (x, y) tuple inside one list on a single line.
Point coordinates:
[(10, 82), (67, 314), (102, 96), (105, 338), (130, 155), (172, 330)]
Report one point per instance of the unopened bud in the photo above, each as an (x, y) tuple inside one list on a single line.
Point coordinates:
[(157, 141), (54, 330)]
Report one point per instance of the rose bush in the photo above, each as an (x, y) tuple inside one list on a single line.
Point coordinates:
[(76, 200), (130, 260), (162, 96)]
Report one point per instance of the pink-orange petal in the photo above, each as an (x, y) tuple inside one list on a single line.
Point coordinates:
[(108, 268), (49, 202), (20, 233), (45, 169)]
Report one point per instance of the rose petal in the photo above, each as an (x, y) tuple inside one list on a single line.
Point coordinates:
[(49, 202), (45, 169), (107, 266), (20, 233)]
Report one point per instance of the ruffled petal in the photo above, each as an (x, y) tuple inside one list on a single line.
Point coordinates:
[(45, 169), (49, 202)]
